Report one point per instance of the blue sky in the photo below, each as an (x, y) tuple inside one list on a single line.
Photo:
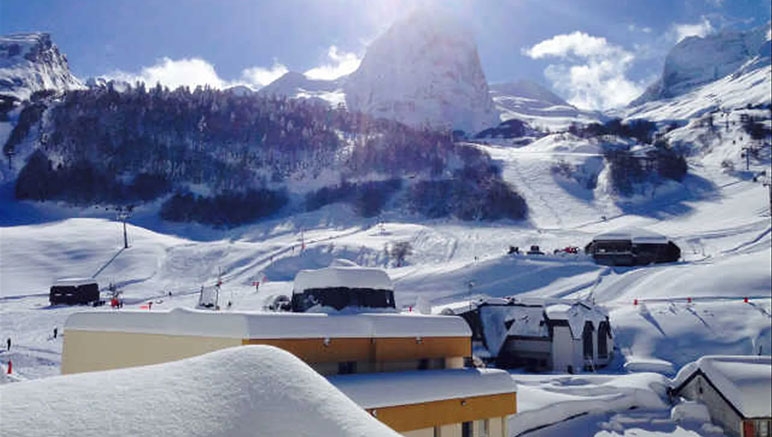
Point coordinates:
[(230, 41)]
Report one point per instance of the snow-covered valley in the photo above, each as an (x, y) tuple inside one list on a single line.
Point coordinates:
[(715, 300), (684, 310)]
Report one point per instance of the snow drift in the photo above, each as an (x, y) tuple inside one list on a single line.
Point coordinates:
[(243, 391)]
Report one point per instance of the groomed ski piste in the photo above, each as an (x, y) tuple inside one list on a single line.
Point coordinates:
[(662, 316)]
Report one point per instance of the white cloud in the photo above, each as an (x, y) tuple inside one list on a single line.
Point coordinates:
[(633, 28), (259, 77), (681, 31), (574, 44), (174, 73), (193, 72), (341, 63), (592, 71)]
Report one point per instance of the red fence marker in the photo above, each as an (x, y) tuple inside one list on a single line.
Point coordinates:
[(745, 300), (635, 302), (10, 367), (689, 299)]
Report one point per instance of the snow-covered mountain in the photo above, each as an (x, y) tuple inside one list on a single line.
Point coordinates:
[(696, 61), (424, 70), (31, 62), (297, 85), (528, 101), (734, 91)]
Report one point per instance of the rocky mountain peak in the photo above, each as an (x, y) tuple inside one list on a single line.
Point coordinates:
[(31, 62), (696, 61), (424, 70)]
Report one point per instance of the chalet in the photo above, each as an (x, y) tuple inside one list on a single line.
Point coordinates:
[(74, 291), (342, 285), (379, 359), (538, 334), (737, 390), (632, 246)]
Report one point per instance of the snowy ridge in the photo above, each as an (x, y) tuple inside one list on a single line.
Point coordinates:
[(243, 391), (424, 70), (31, 62), (528, 101), (296, 85), (696, 61), (731, 92)]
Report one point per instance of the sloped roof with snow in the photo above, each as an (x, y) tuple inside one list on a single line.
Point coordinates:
[(342, 275), (236, 392), (376, 390), (636, 235), (75, 282), (527, 321), (576, 315), (264, 325), (745, 381)]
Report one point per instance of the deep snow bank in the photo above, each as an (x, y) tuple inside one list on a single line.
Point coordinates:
[(243, 391)]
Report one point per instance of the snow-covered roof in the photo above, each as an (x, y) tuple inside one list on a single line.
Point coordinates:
[(527, 321), (341, 274), (745, 381), (242, 391), (576, 315), (526, 317), (636, 235), (375, 390), (75, 282), (264, 325)]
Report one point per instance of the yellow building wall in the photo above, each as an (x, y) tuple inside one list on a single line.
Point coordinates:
[(498, 426), (87, 351), (452, 430), (426, 432), (410, 417), (319, 350)]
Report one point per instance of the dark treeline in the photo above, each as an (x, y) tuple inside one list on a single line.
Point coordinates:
[(101, 146), (629, 168), (641, 130)]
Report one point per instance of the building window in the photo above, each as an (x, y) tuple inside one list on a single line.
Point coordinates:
[(466, 429), (483, 429), (603, 336), (423, 364), (587, 340), (764, 428)]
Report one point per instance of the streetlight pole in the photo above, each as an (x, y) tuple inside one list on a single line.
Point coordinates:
[(123, 215)]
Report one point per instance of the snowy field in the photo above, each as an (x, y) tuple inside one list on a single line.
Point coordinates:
[(684, 310)]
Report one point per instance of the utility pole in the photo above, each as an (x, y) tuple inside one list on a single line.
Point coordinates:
[(747, 155), (767, 182), (123, 215), (471, 286), (217, 289)]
